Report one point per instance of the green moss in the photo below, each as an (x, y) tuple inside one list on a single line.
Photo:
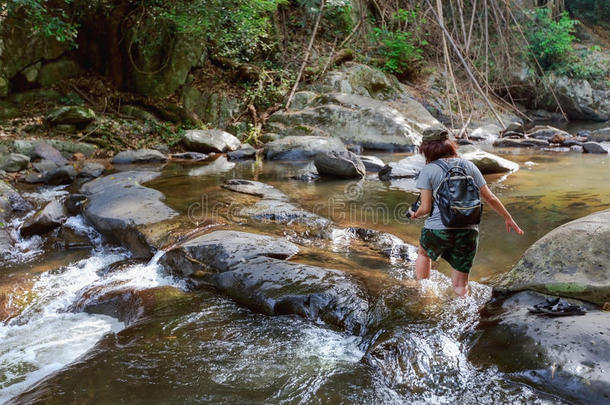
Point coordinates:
[(558, 288)]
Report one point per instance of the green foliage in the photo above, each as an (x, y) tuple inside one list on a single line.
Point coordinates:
[(272, 87), (401, 49), (550, 41), (593, 11), (42, 17), (239, 29)]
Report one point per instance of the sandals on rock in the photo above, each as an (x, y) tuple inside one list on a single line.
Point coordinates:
[(556, 307)]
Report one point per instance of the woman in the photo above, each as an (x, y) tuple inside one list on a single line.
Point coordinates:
[(457, 246)]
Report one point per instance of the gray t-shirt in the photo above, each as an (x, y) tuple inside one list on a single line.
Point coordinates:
[(431, 176)]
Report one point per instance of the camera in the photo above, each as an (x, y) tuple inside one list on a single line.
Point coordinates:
[(414, 206)]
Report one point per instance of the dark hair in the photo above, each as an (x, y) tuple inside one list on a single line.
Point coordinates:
[(433, 150)]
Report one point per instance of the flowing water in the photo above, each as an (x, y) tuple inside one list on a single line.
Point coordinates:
[(167, 344)]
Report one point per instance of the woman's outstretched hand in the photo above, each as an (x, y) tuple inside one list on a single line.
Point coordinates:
[(511, 224)]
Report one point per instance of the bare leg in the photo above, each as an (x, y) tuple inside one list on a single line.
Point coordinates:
[(460, 283), (422, 265)]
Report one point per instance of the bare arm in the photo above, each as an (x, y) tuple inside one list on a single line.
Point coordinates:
[(491, 199), (426, 204)]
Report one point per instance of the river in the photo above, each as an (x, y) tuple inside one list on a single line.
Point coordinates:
[(201, 347)]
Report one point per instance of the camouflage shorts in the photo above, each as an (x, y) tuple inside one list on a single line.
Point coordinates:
[(457, 246)]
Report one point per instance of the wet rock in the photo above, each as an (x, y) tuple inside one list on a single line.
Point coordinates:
[(127, 304), (14, 162), (406, 168), (45, 220), (372, 163), (487, 162), (514, 127), (577, 148), (520, 143), (74, 203), (301, 147), (244, 152), (390, 245), (47, 152), (139, 156), (123, 210), (71, 115), (354, 119), (464, 142), (219, 165), (251, 269), (593, 147), (15, 201), (339, 164), (560, 139), (254, 188), (276, 287), (210, 140), (567, 356), (568, 142), (600, 135), (570, 261), (61, 175), (91, 170), (195, 156), (222, 250), (282, 212)]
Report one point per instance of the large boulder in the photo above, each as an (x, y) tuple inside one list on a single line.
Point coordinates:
[(123, 210), (302, 147), (45, 220), (579, 99), (487, 162), (252, 270), (139, 156), (339, 164), (354, 119), (216, 109), (570, 261), (210, 140), (55, 71), (566, 357), (71, 115), (362, 80)]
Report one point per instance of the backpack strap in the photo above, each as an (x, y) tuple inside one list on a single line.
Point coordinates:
[(442, 164)]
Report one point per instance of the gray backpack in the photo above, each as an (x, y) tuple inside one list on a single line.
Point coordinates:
[(457, 197)]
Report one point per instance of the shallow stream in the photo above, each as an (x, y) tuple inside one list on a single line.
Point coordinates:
[(201, 347)]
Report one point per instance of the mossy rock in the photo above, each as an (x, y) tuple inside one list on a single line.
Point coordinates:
[(570, 261)]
